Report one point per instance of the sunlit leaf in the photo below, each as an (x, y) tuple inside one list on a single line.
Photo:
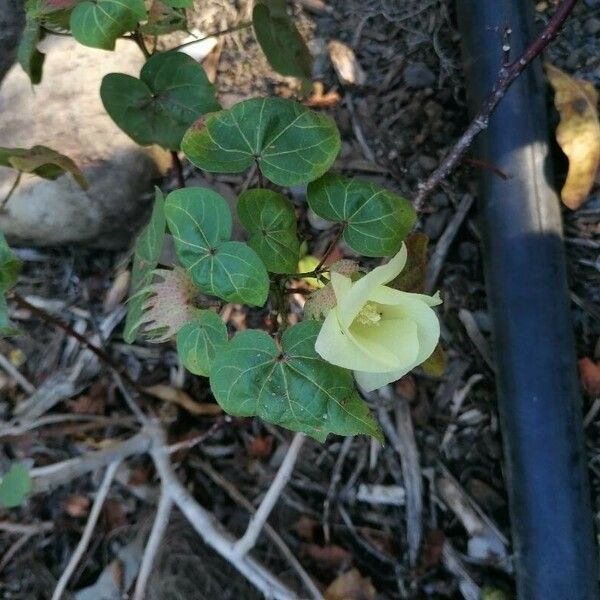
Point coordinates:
[(578, 133), (98, 23), (199, 340), (41, 161), (280, 40), (147, 251), (290, 386), (290, 143), (14, 486), (200, 222), (375, 220), (270, 220), (171, 93)]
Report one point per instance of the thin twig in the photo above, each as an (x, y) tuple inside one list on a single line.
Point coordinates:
[(335, 480), (248, 540), (163, 512), (212, 532), (13, 187), (329, 250), (238, 497), (507, 76), (103, 490), (232, 29), (16, 375)]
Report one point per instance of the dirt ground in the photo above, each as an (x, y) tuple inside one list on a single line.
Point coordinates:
[(435, 525)]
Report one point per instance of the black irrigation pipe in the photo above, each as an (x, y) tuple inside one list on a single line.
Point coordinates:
[(538, 391)]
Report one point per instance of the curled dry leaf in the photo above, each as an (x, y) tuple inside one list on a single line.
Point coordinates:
[(578, 133), (351, 586), (183, 399), (589, 372), (346, 64)]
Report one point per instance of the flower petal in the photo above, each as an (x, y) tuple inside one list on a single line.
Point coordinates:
[(355, 299), (341, 349), (388, 295), (341, 285), (395, 342), (372, 381)]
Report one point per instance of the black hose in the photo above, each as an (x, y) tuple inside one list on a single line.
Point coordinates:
[(538, 391)]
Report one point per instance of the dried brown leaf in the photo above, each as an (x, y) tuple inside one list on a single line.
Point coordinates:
[(589, 372), (351, 586), (578, 133), (183, 399)]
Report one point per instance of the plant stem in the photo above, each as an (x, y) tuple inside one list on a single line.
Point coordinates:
[(329, 250), (215, 34), (13, 187), (138, 38), (507, 76), (178, 169)]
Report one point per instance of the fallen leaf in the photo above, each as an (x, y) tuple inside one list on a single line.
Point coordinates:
[(92, 403), (77, 506), (345, 64), (589, 372), (351, 586), (331, 554), (261, 446), (321, 99), (306, 527), (183, 399), (578, 133)]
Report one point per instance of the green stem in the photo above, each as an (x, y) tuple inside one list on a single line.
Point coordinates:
[(10, 192), (215, 34)]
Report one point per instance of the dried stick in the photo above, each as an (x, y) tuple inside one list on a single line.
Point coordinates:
[(507, 76), (16, 375), (163, 512), (212, 532), (335, 480), (241, 500), (103, 490), (248, 540)]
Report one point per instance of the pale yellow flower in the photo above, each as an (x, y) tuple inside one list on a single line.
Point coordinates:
[(378, 332)]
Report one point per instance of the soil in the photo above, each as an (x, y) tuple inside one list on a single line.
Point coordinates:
[(395, 129)]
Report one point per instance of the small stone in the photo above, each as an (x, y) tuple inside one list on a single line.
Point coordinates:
[(592, 26), (418, 75), (428, 162)]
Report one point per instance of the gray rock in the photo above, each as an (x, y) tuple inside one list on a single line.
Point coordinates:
[(418, 75), (65, 112), (592, 26)]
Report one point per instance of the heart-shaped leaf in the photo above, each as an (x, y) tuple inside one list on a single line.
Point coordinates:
[(147, 251), (280, 40), (290, 143), (292, 386), (270, 220), (375, 220), (28, 55), (200, 222), (199, 340), (43, 162), (14, 486), (171, 93), (98, 23)]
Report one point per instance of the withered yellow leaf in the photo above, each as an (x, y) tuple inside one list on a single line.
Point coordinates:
[(578, 133)]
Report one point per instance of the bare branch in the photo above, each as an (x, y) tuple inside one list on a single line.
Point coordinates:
[(507, 76), (103, 490), (248, 540)]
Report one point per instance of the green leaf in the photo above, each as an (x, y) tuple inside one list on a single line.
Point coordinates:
[(15, 486), (280, 40), (376, 221), (291, 143), (200, 222), (199, 340), (43, 162), (179, 3), (147, 251), (292, 386), (98, 23), (270, 220), (171, 93), (10, 266), (6, 327), (163, 19), (28, 55)]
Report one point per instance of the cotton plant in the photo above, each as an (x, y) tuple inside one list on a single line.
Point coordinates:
[(359, 331)]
